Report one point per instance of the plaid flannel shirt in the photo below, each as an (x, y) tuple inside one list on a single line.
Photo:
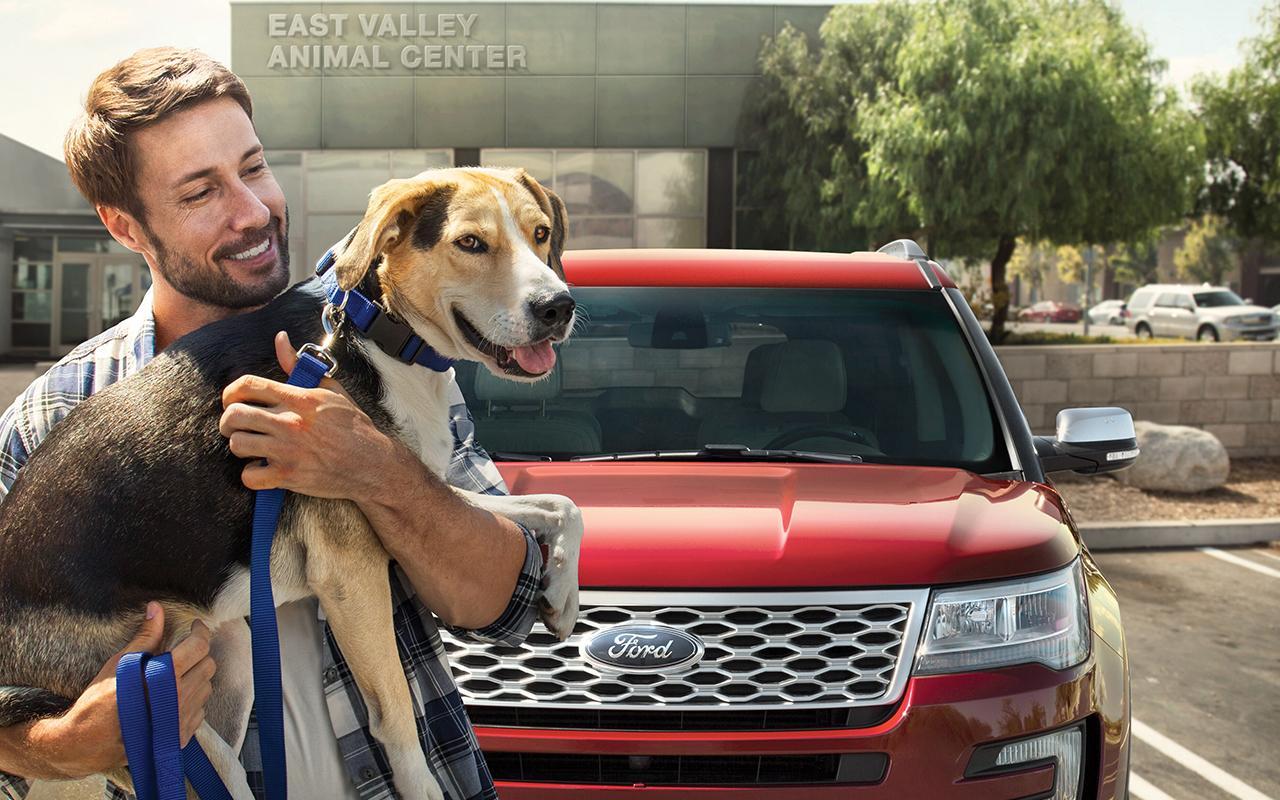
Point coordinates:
[(443, 727)]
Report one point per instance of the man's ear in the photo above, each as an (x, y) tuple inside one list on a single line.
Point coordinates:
[(122, 226), (388, 220)]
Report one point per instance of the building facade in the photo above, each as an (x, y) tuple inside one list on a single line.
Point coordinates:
[(633, 113)]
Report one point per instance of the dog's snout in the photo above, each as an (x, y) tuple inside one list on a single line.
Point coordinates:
[(555, 311)]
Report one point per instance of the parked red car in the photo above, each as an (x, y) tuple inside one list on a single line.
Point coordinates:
[(822, 559), (1050, 311)]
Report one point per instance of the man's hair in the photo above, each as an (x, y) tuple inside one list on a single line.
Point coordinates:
[(143, 89)]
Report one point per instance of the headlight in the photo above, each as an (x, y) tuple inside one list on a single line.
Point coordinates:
[(1044, 620), (1234, 320)]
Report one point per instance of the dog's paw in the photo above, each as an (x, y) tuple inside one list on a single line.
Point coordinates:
[(558, 606)]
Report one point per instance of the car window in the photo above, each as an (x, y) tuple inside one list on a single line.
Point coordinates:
[(1141, 299), (886, 375), (1216, 299), (1170, 300)]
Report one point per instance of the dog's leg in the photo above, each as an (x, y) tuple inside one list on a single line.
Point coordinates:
[(557, 523), (348, 570), (231, 702), (225, 762)]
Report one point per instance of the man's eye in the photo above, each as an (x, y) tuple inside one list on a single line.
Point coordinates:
[(541, 233), (254, 170), (196, 197), (471, 244)]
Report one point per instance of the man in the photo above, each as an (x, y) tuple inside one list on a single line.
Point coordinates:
[(167, 154)]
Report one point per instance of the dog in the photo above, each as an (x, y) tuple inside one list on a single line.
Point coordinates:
[(137, 496)]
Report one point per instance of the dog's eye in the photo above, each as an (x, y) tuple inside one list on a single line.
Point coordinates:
[(471, 244), (541, 233)]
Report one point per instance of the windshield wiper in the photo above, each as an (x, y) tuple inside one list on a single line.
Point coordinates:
[(505, 456), (726, 452)]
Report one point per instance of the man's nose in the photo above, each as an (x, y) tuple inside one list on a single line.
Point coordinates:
[(249, 212), (555, 310)]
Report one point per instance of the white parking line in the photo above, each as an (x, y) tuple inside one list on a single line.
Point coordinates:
[(1265, 554), (1240, 562), (1141, 789), (1215, 775)]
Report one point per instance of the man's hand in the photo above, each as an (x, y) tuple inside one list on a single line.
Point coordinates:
[(315, 442), (86, 739)]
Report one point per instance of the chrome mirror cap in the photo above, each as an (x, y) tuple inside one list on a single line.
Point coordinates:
[(1082, 425)]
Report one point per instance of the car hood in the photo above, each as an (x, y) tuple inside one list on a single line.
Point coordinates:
[(1222, 312), (710, 525)]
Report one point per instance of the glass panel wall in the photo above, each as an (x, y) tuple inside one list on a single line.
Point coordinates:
[(32, 299), (622, 198)]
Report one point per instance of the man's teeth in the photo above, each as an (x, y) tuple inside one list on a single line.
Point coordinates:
[(253, 251)]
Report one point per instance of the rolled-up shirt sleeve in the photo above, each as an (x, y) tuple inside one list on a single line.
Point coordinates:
[(472, 469)]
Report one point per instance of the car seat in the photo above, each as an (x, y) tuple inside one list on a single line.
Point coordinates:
[(513, 417)]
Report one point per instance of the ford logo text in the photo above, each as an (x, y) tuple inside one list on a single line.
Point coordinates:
[(642, 648)]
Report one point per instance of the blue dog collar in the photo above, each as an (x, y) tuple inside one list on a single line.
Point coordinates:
[(383, 328)]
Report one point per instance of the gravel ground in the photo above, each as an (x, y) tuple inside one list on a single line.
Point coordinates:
[(1252, 491)]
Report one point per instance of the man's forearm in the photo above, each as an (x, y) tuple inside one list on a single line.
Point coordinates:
[(462, 561), (27, 752)]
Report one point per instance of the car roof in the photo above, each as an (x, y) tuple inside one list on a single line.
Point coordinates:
[(1184, 287), (714, 267)]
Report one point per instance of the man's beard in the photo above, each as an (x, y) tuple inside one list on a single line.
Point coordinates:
[(218, 288)]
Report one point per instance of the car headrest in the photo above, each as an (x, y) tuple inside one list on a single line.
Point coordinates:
[(754, 374), (804, 375), (501, 390)]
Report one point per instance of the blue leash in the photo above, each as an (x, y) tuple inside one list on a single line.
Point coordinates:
[(151, 731)]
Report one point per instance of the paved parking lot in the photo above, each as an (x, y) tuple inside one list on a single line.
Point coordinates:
[(1204, 648)]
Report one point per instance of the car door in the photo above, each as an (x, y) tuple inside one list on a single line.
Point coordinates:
[(1161, 314), (1184, 316)]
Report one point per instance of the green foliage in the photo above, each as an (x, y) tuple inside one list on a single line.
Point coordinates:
[(1208, 254), (970, 123), (1241, 116)]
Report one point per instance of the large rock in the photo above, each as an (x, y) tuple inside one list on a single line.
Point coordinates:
[(1177, 459)]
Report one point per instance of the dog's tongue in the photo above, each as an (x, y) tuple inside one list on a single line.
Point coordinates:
[(535, 359)]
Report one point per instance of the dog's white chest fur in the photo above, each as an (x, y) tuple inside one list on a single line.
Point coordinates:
[(418, 400)]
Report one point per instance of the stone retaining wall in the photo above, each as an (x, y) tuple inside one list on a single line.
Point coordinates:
[(1231, 390)]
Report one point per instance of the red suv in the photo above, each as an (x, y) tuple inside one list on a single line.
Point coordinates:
[(822, 558)]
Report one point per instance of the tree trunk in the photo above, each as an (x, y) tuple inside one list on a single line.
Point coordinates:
[(1000, 288)]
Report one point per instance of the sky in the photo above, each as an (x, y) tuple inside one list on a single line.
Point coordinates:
[(54, 48)]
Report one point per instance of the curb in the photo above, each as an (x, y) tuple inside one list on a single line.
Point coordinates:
[(1171, 533)]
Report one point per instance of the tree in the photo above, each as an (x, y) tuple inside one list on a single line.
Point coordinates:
[(982, 121), (1241, 118), (1208, 253)]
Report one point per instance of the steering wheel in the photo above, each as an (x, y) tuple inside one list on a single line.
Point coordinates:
[(815, 431)]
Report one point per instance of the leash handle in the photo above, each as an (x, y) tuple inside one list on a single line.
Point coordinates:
[(147, 705), (265, 638)]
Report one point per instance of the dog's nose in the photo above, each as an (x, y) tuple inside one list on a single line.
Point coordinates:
[(555, 310)]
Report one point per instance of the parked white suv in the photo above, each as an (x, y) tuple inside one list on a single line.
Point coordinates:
[(1206, 313)]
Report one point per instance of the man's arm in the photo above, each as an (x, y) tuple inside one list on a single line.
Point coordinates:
[(464, 563)]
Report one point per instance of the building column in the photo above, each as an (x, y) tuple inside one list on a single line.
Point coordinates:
[(720, 200), (6, 290)]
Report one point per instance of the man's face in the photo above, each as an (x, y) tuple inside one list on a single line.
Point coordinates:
[(215, 216)]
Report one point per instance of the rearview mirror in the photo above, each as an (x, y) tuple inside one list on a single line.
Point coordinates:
[(1089, 441)]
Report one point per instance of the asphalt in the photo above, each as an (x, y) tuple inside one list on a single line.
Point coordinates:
[(1204, 654)]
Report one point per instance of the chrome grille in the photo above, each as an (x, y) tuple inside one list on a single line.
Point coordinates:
[(763, 649)]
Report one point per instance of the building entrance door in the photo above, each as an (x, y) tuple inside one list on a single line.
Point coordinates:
[(92, 292)]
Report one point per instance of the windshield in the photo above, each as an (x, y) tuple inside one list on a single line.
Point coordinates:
[(884, 375), (1218, 298)]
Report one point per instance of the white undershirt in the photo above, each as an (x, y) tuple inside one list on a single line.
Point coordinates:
[(315, 766)]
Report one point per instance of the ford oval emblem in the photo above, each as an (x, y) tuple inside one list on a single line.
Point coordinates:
[(642, 648)]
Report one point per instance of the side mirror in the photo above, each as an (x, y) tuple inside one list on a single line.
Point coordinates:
[(1089, 441)]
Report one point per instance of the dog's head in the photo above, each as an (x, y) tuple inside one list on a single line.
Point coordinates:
[(470, 259)]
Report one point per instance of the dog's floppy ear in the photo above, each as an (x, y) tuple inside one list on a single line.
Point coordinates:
[(389, 218), (553, 206)]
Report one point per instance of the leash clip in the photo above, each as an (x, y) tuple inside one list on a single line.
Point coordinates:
[(321, 354)]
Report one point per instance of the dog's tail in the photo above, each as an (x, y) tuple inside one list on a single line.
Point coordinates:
[(20, 704)]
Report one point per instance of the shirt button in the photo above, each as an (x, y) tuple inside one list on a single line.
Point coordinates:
[(331, 674), (366, 773)]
